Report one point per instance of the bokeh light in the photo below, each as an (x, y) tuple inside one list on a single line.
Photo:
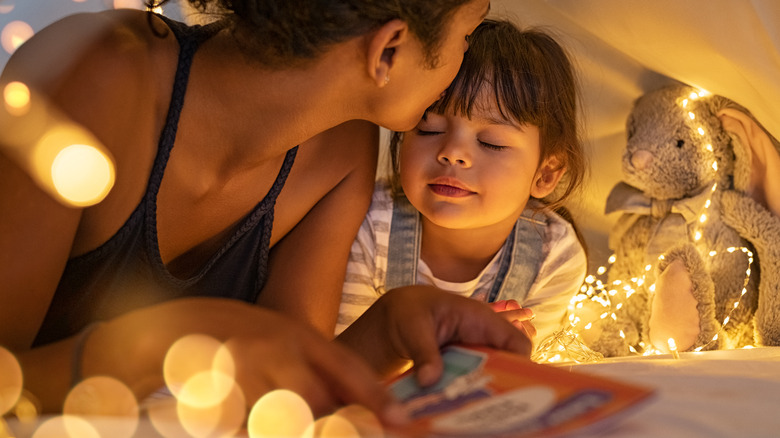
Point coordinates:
[(10, 381), (107, 404), (14, 34), (129, 4), (16, 98), (199, 370), (220, 420), (362, 419), (334, 426), (82, 174), (6, 7), (280, 413), (66, 426)]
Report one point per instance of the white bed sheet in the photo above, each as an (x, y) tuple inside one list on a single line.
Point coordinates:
[(727, 393)]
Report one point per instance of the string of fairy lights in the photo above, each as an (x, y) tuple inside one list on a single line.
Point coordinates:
[(568, 344)]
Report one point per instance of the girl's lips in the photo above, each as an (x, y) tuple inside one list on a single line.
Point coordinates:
[(449, 191)]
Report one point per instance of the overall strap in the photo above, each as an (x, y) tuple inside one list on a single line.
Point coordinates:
[(404, 246), (520, 262)]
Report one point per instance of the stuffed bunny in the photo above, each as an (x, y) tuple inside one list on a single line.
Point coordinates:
[(694, 210)]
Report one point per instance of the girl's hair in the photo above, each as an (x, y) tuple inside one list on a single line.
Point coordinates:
[(532, 82), (280, 33)]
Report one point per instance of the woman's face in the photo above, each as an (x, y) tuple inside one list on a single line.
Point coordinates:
[(415, 86), (475, 173)]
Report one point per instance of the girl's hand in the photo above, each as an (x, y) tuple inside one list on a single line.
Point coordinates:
[(414, 322), (523, 322)]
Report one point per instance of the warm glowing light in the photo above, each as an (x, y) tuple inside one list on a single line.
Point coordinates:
[(106, 404), (15, 34), (715, 166), (66, 426), (4, 9), (220, 420), (199, 371), (684, 103), (10, 381), (709, 147), (691, 115), (693, 95), (697, 236), (280, 413), (601, 270), (16, 97), (612, 258), (701, 130), (82, 174), (703, 218), (129, 4), (333, 426), (27, 408)]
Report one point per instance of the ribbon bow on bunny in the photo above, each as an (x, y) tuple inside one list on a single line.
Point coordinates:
[(675, 216)]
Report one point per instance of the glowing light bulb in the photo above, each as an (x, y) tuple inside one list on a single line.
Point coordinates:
[(691, 115), (701, 130)]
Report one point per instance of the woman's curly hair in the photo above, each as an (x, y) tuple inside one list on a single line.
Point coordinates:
[(281, 33)]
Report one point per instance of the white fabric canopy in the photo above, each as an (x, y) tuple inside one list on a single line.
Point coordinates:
[(624, 48)]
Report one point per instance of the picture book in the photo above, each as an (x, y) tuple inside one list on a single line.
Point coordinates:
[(491, 393)]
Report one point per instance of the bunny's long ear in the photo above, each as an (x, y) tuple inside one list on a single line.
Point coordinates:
[(757, 158)]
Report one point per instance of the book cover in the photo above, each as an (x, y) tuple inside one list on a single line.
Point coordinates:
[(491, 393)]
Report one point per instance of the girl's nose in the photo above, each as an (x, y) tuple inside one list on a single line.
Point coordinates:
[(454, 156)]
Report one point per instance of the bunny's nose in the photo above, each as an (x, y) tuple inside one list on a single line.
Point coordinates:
[(641, 159)]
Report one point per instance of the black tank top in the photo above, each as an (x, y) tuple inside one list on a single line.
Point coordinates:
[(127, 272)]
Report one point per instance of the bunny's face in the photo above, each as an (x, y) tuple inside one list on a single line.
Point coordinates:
[(669, 152)]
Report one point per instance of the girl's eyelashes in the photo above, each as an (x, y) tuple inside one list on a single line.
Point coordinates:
[(424, 132), (490, 146)]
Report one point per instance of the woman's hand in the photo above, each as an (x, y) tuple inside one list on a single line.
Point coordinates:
[(270, 351), (523, 322), (414, 322)]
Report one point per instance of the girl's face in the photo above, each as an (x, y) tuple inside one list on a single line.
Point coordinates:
[(416, 86), (465, 173)]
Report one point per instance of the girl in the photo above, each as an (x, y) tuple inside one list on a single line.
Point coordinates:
[(214, 208), (471, 205)]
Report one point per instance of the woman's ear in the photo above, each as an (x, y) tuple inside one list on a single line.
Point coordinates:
[(382, 47), (547, 177)]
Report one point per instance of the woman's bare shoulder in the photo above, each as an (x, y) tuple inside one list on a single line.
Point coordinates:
[(86, 45)]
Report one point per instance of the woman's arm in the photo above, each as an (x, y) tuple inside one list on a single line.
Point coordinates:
[(307, 266)]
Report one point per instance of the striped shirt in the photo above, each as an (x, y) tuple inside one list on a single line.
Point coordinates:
[(560, 275)]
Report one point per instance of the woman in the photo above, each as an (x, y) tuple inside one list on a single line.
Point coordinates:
[(202, 124)]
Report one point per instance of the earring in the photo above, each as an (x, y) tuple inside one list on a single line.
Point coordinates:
[(387, 79)]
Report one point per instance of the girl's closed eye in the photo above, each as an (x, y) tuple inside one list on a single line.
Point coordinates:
[(425, 132), (491, 146)]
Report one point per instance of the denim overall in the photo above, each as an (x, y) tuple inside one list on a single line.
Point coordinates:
[(518, 266)]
